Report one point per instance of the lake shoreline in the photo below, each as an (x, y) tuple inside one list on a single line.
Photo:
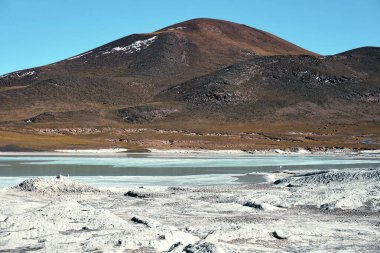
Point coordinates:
[(120, 151), (172, 169)]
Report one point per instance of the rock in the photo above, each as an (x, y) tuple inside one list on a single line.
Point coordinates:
[(134, 194), (140, 221), (205, 247), (174, 246), (177, 188), (328, 206), (254, 205), (283, 205), (279, 234), (147, 222), (261, 206)]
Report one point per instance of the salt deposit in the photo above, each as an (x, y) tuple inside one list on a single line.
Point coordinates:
[(59, 184), (345, 176), (93, 151), (196, 151), (321, 211)]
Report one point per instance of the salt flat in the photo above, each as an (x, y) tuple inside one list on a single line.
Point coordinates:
[(314, 211)]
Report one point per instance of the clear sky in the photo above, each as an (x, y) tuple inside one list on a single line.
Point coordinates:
[(38, 32)]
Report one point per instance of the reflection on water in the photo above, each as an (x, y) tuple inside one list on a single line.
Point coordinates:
[(167, 170)]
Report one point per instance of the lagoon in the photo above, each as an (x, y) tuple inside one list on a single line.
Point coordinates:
[(154, 169)]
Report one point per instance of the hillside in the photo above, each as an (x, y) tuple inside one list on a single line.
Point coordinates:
[(201, 83), (342, 88), (133, 69)]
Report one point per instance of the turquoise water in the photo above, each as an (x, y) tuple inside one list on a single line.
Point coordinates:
[(125, 170)]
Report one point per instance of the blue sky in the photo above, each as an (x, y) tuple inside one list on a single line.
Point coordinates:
[(34, 33)]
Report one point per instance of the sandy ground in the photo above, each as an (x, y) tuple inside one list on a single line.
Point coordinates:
[(318, 211)]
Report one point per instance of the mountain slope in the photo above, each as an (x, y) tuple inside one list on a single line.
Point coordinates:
[(201, 83), (133, 69), (341, 88)]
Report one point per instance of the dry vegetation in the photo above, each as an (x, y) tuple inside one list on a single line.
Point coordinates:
[(205, 136)]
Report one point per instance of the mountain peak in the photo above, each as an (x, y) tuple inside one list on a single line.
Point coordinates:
[(138, 66), (252, 40), (199, 23)]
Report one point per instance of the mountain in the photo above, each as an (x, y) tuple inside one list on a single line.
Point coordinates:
[(342, 88), (136, 67), (201, 75)]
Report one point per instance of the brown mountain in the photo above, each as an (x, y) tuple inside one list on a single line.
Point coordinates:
[(134, 68), (197, 76), (342, 88)]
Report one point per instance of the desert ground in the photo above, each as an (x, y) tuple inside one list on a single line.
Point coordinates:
[(197, 135), (297, 211)]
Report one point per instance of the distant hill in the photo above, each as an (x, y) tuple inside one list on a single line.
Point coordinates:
[(133, 69), (198, 74), (343, 88)]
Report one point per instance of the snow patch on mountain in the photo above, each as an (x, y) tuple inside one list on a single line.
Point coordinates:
[(176, 28), (134, 47), (19, 74), (78, 56)]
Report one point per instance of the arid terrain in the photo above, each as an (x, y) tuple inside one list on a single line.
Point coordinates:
[(313, 211), (202, 83)]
